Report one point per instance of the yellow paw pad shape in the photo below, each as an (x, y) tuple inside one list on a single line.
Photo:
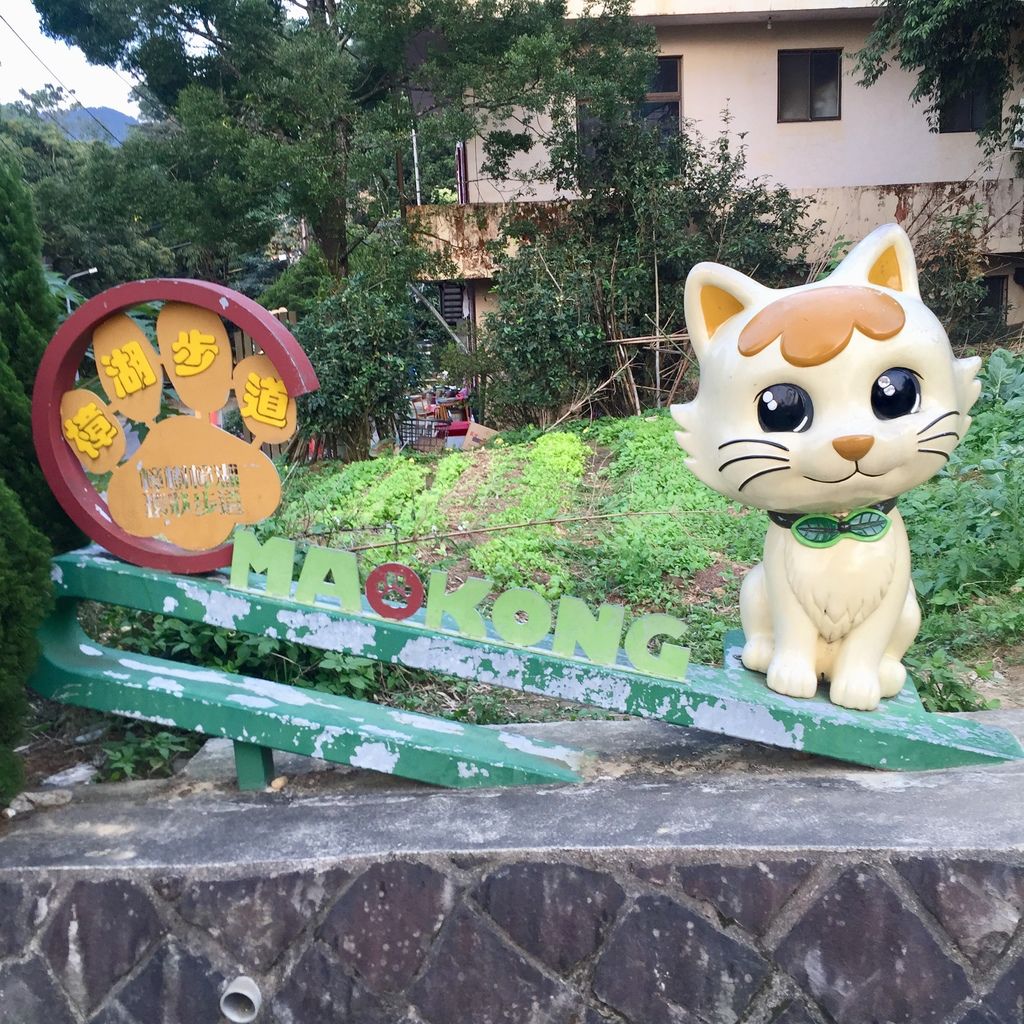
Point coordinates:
[(189, 482)]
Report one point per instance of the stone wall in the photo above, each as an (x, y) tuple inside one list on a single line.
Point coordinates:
[(415, 905)]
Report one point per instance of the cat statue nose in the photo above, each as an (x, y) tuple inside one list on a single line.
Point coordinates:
[(853, 446)]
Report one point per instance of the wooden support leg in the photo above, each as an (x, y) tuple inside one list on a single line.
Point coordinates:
[(254, 765)]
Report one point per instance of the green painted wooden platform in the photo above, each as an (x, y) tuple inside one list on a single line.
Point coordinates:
[(260, 715)]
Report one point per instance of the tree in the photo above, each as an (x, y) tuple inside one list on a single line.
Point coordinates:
[(301, 286), (26, 317), (613, 266), (268, 114), (362, 343), (953, 48), (26, 322), (27, 313), (25, 591), (96, 204)]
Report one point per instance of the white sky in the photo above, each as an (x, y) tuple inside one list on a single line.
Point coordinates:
[(93, 86)]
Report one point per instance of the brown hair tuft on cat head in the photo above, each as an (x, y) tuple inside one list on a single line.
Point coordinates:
[(817, 324)]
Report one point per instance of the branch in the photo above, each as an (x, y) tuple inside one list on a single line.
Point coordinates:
[(540, 522)]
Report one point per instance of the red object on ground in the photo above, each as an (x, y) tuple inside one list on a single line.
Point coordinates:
[(65, 474)]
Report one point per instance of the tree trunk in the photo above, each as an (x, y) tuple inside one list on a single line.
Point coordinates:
[(331, 230)]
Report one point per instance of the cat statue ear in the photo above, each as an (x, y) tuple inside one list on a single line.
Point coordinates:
[(715, 294), (885, 258)]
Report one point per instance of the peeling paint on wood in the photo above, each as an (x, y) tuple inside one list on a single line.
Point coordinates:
[(728, 700)]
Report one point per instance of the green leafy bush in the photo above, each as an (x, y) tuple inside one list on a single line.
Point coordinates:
[(145, 752), (363, 347), (966, 529), (613, 263), (302, 285), (967, 525)]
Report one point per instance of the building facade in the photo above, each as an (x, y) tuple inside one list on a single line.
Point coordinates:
[(785, 72)]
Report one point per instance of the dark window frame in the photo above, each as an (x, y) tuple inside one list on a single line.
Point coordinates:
[(980, 95), (670, 97), (586, 157), (810, 52), (997, 295)]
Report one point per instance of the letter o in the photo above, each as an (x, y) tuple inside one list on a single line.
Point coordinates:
[(394, 582), (512, 603)]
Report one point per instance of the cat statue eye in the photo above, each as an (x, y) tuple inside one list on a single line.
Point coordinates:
[(895, 393), (832, 601)]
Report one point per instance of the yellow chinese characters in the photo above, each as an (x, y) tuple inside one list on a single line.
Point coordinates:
[(129, 368), (194, 352), (90, 430), (265, 400)]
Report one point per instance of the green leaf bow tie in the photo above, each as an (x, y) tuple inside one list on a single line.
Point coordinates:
[(819, 530)]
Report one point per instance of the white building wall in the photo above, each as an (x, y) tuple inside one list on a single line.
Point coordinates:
[(880, 138)]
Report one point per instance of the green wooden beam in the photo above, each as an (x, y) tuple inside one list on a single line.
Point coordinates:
[(729, 700), (260, 715)]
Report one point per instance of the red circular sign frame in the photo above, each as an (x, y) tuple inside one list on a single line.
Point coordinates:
[(65, 474)]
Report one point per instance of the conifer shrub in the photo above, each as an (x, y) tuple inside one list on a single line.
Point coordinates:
[(27, 321), (28, 312), (25, 598)]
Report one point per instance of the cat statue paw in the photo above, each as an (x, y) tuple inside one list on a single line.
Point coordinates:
[(821, 404)]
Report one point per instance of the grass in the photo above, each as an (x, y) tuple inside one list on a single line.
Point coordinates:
[(643, 532)]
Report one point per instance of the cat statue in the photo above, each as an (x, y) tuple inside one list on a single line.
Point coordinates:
[(821, 404)]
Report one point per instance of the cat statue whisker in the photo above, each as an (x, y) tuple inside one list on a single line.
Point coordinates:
[(852, 377)]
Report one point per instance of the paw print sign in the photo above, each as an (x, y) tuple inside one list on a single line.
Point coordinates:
[(179, 484)]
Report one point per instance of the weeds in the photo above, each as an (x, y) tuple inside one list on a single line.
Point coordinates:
[(144, 753)]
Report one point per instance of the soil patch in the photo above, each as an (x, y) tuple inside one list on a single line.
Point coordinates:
[(1006, 684)]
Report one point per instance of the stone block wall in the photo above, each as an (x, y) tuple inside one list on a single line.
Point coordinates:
[(689, 880), (479, 939)]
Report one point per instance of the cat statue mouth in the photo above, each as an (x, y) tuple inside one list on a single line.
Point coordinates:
[(842, 480), (804, 394)]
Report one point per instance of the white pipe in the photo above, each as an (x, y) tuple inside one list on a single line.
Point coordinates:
[(241, 1000), (416, 165)]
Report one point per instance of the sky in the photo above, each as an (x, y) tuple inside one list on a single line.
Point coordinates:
[(93, 86)]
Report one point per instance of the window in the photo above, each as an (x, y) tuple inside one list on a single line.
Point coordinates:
[(994, 301), (662, 107), (452, 302), (809, 85), (968, 112), (661, 110)]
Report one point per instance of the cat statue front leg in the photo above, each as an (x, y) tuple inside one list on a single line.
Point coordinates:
[(781, 640)]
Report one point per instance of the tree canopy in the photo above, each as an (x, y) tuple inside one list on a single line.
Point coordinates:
[(27, 312), (268, 108)]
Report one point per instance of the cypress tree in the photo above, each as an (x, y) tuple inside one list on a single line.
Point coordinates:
[(26, 320), (27, 309), (26, 323), (25, 597)]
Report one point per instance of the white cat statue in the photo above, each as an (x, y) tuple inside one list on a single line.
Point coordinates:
[(821, 404)]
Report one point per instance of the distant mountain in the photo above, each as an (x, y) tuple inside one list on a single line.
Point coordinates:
[(81, 127)]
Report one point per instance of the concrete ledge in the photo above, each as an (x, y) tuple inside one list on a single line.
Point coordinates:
[(691, 878)]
